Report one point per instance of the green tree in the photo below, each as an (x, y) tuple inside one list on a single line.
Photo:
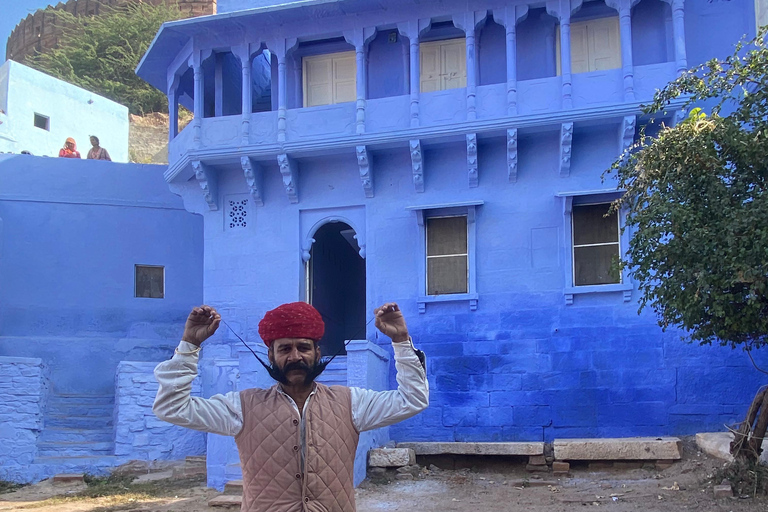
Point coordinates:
[(100, 53), (697, 210)]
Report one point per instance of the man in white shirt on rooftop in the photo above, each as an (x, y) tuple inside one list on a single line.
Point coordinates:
[(297, 439)]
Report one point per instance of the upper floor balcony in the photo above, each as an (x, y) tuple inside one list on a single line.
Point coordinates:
[(325, 76)]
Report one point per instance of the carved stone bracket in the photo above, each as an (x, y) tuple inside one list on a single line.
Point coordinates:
[(254, 179), (207, 181), (366, 176), (512, 154), (472, 159), (417, 162), (290, 176), (566, 139), (627, 133)]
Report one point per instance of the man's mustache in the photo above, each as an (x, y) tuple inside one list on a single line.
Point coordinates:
[(279, 374)]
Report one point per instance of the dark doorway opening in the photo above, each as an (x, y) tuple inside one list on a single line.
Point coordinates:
[(336, 285)]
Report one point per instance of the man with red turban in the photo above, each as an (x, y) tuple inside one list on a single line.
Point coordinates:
[(297, 439)]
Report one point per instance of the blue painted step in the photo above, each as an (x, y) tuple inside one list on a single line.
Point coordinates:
[(80, 399), (80, 409), (70, 435), (74, 449), (84, 422)]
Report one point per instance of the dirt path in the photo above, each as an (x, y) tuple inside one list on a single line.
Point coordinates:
[(687, 485)]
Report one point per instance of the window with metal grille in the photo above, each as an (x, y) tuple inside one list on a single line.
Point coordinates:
[(596, 246), (42, 122), (149, 281), (447, 255)]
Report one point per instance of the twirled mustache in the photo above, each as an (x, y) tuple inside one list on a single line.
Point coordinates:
[(312, 372)]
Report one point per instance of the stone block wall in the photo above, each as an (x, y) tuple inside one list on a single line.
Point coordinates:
[(39, 32), (23, 392), (138, 432)]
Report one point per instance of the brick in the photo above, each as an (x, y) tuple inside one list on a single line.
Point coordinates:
[(532, 468), (664, 464), (723, 491), (537, 460), (561, 467)]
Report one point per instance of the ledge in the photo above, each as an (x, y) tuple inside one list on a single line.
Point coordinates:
[(472, 298), (310, 146), (570, 291), (634, 448)]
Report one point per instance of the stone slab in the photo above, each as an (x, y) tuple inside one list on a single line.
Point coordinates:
[(718, 444), (517, 448), (391, 457), (631, 448), (153, 477), (226, 501)]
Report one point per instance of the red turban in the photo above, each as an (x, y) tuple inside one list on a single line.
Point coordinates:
[(293, 320)]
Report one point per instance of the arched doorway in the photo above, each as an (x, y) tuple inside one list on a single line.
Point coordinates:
[(335, 283)]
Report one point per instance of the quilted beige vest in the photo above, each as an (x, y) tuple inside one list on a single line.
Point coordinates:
[(269, 446)]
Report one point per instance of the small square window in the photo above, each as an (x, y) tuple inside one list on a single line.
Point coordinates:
[(596, 249), (42, 122), (447, 261), (149, 281)]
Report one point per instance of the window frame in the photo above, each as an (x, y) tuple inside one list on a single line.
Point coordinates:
[(439, 43), (574, 246), (426, 251), (586, 197), (468, 209), (136, 281)]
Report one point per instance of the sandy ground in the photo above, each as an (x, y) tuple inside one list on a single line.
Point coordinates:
[(687, 485)]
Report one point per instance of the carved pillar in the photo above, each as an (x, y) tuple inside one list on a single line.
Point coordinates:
[(471, 72), (247, 97), (173, 109), (198, 103), (298, 90), (282, 90), (565, 58), (218, 85), (361, 79), (625, 24), (406, 68), (678, 31), (510, 16), (415, 75)]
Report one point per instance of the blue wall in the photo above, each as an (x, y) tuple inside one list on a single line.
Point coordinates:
[(526, 364), (71, 234)]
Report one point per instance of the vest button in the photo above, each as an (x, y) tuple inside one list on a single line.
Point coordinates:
[(298, 476), (306, 500), (295, 448), (295, 422)]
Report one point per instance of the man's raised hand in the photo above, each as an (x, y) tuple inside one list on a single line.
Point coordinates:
[(390, 321), (202, 322)]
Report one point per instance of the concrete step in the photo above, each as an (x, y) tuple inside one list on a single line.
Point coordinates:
[(74, 422), (226, 501), (234, 487), (72, 435), (233, 472), (65, 449)]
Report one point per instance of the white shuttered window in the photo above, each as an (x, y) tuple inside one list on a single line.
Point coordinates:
[(329, 79), (595, 45), (443, 64)]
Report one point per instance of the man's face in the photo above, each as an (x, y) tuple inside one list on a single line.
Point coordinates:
[(94, 141), (295, 358)]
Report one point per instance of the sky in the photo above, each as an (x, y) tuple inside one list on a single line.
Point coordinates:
[(12, 11)]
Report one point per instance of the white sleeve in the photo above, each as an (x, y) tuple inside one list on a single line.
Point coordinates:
[(375, 409), (220, 414)]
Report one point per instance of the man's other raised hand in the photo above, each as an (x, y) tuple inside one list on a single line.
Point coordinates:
[(201, 323)]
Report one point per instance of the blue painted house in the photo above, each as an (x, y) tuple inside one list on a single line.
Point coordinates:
[(448, 156)]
